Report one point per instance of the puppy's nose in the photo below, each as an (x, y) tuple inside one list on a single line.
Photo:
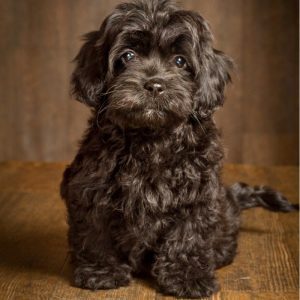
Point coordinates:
[(155, 86)]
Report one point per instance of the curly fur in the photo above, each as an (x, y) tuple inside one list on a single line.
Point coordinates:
[(144, 191)]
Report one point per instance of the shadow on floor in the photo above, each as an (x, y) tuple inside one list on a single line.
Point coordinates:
[(36, 251)]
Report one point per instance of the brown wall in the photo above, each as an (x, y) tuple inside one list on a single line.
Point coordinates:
[(38, 39)]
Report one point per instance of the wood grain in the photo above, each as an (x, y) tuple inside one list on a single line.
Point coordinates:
[(38, 40), (34, 261)]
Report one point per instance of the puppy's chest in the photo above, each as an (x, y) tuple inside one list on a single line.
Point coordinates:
[(159, 179)]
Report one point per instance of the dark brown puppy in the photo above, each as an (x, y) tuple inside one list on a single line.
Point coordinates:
[(144, 190)]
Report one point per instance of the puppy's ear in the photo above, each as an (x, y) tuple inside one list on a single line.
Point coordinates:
[(213, 67), (214, 74), (88, 78)]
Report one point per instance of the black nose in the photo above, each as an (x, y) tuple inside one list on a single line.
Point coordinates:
[(155, 86)]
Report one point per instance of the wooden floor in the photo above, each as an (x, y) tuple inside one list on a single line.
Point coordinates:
[(34, 263)]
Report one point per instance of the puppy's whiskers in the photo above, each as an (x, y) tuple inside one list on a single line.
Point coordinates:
[(198, 121), (102, 109)]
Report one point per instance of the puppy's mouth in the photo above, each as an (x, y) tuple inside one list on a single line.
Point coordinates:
[(138, 112), (152, 113)]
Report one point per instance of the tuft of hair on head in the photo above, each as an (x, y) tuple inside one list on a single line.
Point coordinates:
[(149, 6)]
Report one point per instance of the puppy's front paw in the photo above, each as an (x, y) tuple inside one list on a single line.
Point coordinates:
[(98, 278), (189, 288)]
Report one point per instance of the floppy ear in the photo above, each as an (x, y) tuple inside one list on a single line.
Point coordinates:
[(88, 78), (213, 67), (214, 74)]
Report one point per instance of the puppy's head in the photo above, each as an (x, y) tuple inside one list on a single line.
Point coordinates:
[(151, 65)]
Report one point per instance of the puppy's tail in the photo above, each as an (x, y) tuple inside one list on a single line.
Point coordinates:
[(248, 196)]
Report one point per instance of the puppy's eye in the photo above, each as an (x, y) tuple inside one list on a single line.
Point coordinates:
[(128, 56), (180, 62)]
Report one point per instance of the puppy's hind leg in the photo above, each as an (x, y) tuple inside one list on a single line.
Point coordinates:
[(225, 236)]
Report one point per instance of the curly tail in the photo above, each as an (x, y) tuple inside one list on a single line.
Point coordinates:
[(248, 196)]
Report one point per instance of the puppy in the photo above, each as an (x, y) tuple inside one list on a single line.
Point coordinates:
[(144, 191)]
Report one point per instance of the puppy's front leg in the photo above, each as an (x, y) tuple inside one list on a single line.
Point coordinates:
[(97, 264), (184, 265), (108, 275)]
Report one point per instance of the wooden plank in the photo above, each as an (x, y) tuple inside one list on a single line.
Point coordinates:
[(32, 232), (33, 250)]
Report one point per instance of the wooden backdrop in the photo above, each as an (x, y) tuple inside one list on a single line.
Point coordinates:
[(38, 39)]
